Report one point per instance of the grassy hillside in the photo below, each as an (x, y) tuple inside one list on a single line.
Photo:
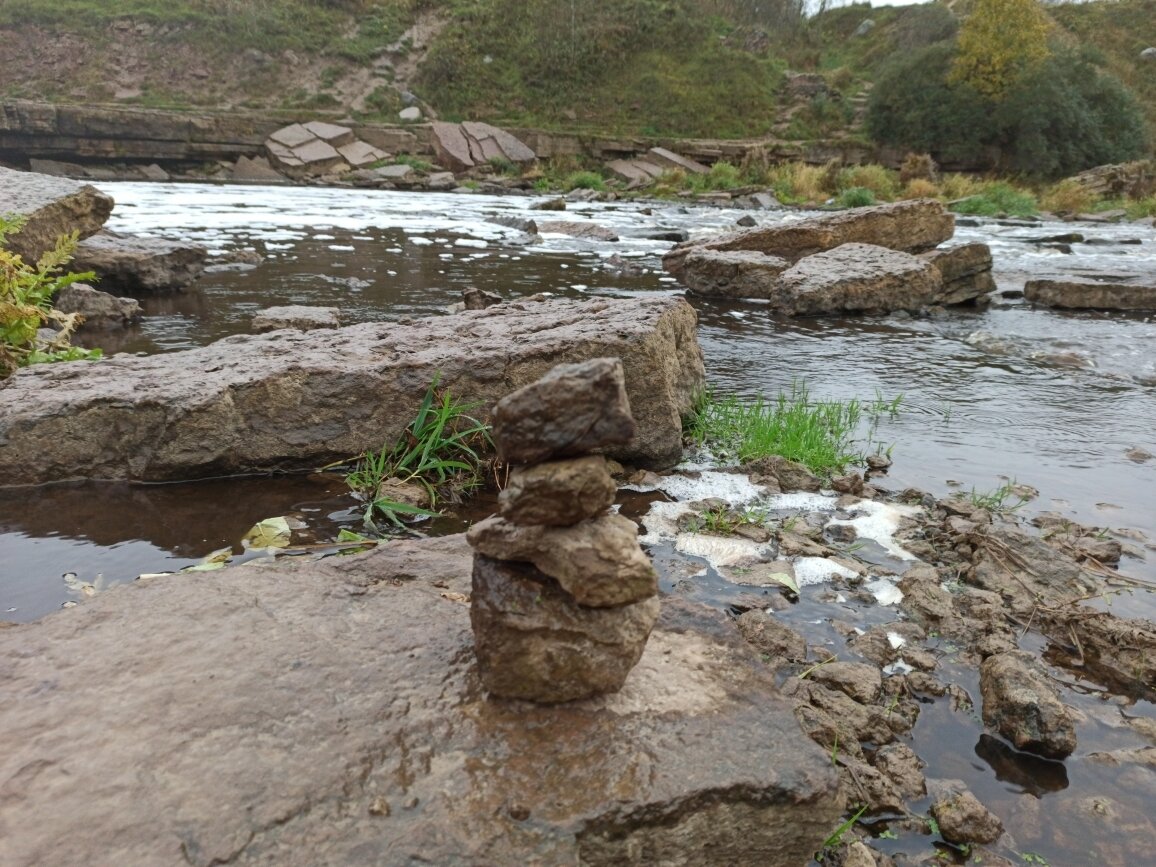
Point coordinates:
[(706, 68)]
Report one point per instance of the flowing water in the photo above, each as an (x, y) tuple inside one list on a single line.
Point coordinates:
[(1057, 401), (1052, 400)]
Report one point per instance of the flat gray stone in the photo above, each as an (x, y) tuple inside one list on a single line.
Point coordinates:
[(282, 400), (330, 713), (139, 266), (292, 136), (1081, 294), (296, 316)]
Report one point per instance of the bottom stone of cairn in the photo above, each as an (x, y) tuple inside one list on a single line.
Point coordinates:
[(534, 642)]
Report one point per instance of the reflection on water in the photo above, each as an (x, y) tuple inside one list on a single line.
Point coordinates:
[(1054, 400)]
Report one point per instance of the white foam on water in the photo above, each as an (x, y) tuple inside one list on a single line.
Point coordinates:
[(818, 570), (734, 488), (885, 592), (721, 550), (661, 522), (878, 522), (802, 501)]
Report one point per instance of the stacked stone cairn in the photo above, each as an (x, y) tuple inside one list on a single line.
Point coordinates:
[(564, 598)]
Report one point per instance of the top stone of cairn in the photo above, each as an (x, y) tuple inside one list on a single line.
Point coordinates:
[(572, 410)]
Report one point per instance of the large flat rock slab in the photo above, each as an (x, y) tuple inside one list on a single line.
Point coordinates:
[(296, 400), (911, 227), (128, 265), (1083, 294), (53, 206), (330, 713)]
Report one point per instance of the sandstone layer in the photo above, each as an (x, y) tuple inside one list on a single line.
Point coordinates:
[(296, 400)]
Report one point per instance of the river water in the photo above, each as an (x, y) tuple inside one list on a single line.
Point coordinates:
[(1051, 400), (1057, 401)]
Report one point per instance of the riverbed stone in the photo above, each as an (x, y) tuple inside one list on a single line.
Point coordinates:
[(598, 561), (858, 680), (571, 410), (1087, 294), (297, 316), (577, 229), (139, 266), (1020, 703), (733, 273), (101, 311), (53, 206), (911, 226), (966, 272), (533, 642), (856, 278), (558, 493), (961, 817), (330, 712), (304, 399)]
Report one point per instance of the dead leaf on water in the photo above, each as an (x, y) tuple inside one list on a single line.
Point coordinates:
[(217, 560), (270, 533)]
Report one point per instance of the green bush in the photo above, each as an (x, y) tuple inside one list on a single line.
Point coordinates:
[(998, 199), (1061, 118), (856, 197), (585, 181)]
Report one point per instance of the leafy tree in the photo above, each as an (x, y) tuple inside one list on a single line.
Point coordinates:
[(999, 42), (1061, 117)]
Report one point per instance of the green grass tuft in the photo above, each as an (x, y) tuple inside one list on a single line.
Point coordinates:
[(818, 434)]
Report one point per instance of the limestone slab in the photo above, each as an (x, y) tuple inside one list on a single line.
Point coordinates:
[(53, 206), (330, 713), (301, 400)]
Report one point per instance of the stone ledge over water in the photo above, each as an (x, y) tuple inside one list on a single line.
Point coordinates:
[(330, 712), (297, 400)]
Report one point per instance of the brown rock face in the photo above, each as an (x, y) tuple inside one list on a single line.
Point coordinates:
[(100, 310), (857, 278), (1022, 706), (573, 409), (139, 266), (598, 562), (1091, 294), (733, 273), (329, 712), (912, 227), (53, 207), (451, 146), (961, 817), (559, 493), (267, 401), (534, 643), (966, 272)]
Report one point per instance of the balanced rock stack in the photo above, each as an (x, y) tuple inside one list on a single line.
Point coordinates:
[(563, 596)]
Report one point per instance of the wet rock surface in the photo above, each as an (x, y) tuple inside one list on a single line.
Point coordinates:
[(53, 207), (1092, 294), (139, 266), (101, 310), (330, 712), (854, 261), (296, 316), (281, 400), (1022, 706), (961, 817)]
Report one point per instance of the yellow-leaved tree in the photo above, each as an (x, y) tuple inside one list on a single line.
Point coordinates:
[(998, 42)]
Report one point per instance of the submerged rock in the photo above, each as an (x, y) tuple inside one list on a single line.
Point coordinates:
[(303, 399), (303, 713), (961, 817)]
